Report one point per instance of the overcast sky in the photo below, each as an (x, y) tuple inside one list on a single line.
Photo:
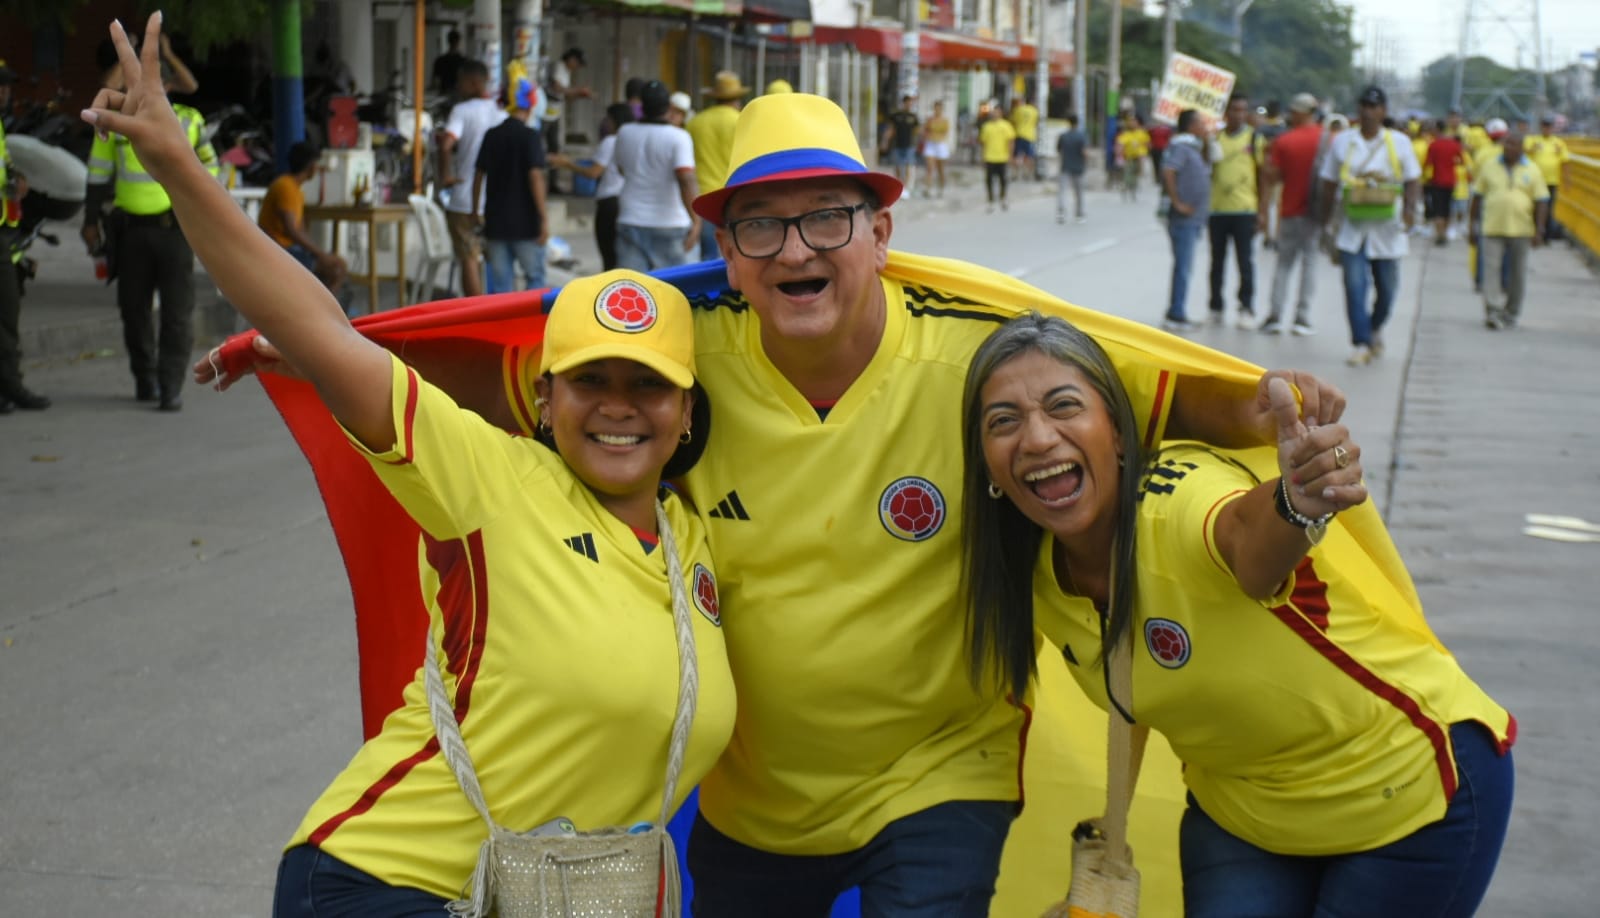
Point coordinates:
[(1422, 31)]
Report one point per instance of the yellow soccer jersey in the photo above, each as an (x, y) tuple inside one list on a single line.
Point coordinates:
[(1233, 177), (1510, 196), (1025, 118), (1311, 723), (557, 641), (1548, 153), (995, 137), (838, 540)]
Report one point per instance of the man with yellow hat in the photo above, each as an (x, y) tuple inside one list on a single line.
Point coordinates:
[(863, 755), (712, 133)]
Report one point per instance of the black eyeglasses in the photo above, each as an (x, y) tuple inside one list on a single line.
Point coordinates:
[(822, 230)]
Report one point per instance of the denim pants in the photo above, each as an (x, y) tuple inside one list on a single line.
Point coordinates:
[(1075, 182), (1385, 274), (940, 862), (1439, 871), (644, 248), (502, 252), (1240, 229), (313, 884), (1297, 243), (1185, 235)]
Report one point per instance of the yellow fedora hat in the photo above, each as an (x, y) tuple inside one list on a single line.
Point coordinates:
[(790, 136)]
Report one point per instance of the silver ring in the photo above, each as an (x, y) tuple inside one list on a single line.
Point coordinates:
[(1341, 456)]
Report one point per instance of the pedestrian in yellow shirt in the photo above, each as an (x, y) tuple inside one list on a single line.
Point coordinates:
[(1549, 153), (1133, 145), (1025, 120), (1510, 203), (996, 137)]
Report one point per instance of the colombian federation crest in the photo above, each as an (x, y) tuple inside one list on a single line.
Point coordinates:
[(625, 306), (704, 593), (1167, 641), (911, 509)]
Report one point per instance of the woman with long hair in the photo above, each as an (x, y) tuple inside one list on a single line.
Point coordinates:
[(1338, 759)]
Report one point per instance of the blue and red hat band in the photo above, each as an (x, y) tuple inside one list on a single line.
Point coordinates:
[(812, 160)]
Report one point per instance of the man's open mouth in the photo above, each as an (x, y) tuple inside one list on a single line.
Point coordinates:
[(803, 287)]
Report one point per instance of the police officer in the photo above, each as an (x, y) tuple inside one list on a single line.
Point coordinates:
[(149, 253), (12, 190)]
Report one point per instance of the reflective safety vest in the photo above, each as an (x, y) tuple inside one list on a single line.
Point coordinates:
[(10, 211), (137, 192)]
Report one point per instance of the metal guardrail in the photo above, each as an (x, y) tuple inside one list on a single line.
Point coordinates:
[(1578, 203)]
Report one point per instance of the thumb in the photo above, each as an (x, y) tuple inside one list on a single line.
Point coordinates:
[(1285, 412)]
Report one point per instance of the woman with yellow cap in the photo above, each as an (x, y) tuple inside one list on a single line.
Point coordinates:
[(573, 607)]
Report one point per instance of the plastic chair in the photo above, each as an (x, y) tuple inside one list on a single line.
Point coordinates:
[(436, 251)]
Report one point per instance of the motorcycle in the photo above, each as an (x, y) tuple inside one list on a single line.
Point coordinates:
[(57, 181)]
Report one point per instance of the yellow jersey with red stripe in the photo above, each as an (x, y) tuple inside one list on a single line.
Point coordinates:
[(1310, 723), (556, 641), (838, 539)]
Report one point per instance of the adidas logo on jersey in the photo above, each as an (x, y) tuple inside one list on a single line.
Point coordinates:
[(583, 545), (729, 508)]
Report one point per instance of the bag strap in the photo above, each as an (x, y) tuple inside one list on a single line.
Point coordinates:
[(1124, 752), (454, 748), (1394, 160)]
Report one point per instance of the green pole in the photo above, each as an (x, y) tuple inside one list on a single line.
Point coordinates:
[(288, 92)]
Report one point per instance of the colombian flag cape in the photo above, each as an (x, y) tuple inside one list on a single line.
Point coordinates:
[(483, 351)]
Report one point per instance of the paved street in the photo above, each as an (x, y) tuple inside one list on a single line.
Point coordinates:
[(177, 662)]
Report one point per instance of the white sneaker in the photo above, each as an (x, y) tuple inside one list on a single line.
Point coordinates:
[(1304, 329), (1360, 357), (1179, 326), (1245, 321), (1377, 343), (1081, 220)]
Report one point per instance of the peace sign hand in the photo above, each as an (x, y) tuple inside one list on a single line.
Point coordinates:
[(142, 113), (1321, 464)]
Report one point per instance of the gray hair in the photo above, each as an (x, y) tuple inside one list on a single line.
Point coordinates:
[(999, 543)]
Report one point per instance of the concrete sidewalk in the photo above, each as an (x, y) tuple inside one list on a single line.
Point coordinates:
[(1493, 426)]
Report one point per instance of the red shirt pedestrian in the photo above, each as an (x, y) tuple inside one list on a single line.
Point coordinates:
[(1294, 154), (1443, 154)]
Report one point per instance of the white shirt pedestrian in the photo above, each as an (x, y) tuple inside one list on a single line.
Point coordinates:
[(1384, 238)]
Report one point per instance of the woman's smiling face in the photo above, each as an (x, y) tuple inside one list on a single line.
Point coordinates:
[(1050, 444)]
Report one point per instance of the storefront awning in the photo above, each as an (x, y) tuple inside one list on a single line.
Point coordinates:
[(941, 49), (778, 10)]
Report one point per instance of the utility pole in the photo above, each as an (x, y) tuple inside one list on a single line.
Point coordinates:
[(1169, 33), (1239, 9), (911, 44), (1080, 60), (1114, 60), (1042, 69)]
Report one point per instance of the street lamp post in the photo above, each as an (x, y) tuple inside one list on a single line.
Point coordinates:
[(1239, 9)]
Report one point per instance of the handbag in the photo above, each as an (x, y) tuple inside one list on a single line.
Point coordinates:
[(1367, 197), (1105, 884), (553, 870)]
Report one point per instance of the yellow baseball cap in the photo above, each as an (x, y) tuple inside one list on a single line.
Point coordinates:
[(621, 314), (790, 136)]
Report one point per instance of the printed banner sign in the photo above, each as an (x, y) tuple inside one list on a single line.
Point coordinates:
[(1192, 83)]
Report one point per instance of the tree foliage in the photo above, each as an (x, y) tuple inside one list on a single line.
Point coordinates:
[(1289, 46), (1516, 86), (206, 24)]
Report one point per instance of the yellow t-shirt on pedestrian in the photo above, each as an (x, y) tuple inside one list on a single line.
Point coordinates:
[(1025, 119), (1133, 144), (1509, 196), (996, 136), (1233, 175), (1548, 153)]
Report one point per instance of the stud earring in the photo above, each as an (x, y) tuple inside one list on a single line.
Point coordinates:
[(995, 492)]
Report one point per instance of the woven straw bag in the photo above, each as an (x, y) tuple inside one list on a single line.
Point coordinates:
[(554, 871), (1105, 884)]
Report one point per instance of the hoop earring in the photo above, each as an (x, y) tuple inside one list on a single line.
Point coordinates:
[(541, 423), (687, 436), (995, 492)]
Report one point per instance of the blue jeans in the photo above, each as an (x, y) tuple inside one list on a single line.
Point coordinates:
[(643, 248), (940, 862), (1385, 276), (1185, 235), (1439, 871), (312, 884), (526, 252)]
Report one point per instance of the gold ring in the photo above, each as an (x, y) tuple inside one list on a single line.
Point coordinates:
[(1341, 456)]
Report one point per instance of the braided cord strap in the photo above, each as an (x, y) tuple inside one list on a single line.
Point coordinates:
[(454, 750)]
